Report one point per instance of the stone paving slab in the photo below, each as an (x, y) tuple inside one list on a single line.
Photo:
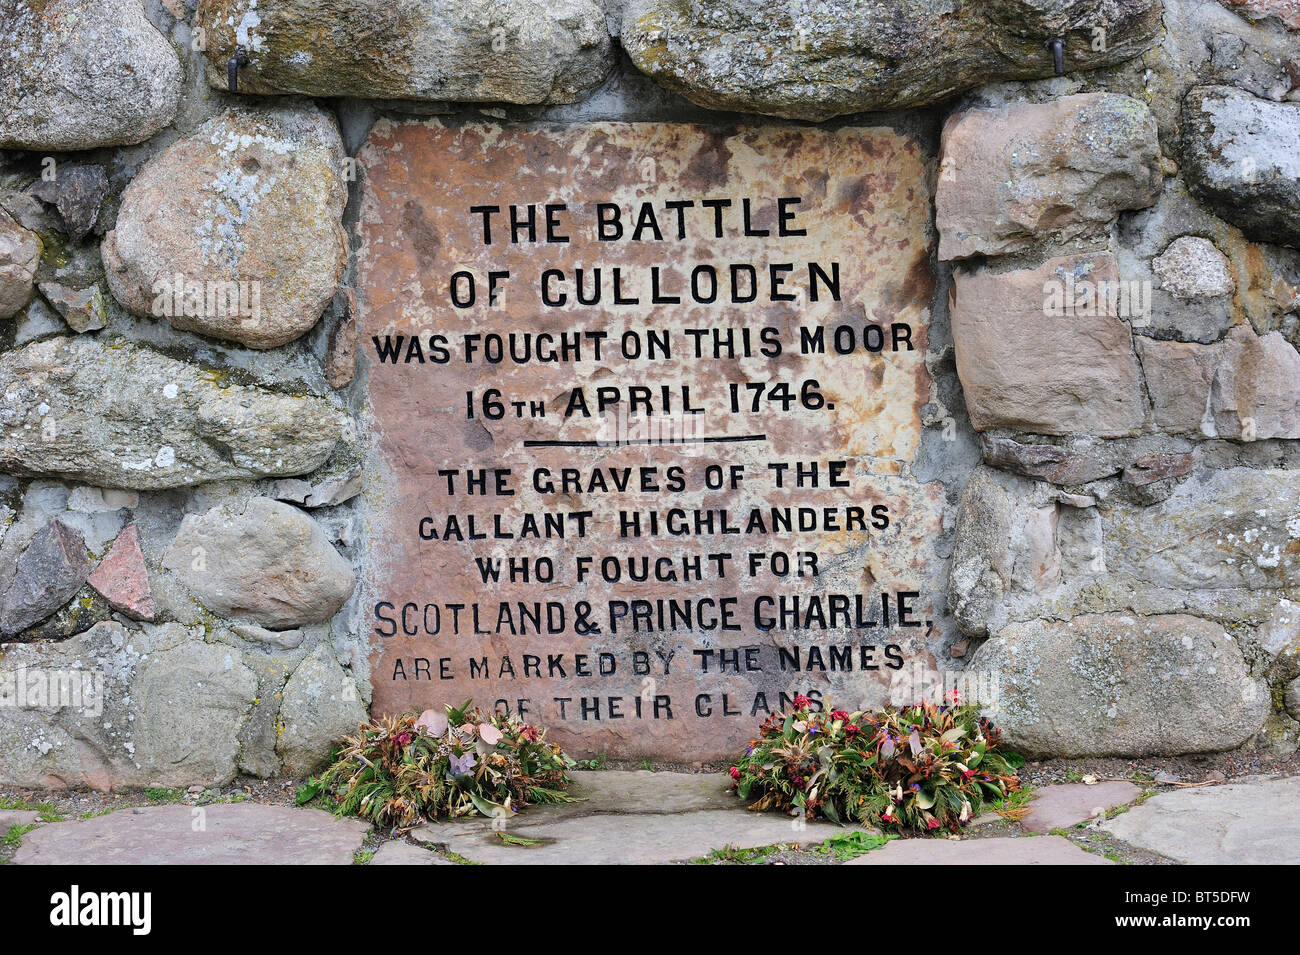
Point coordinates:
[(643, 839), (1022, 850), (1063, 806), (403, 853), (610, 791), (635, 791), (1245, 823), (231, 834), (17, 817)]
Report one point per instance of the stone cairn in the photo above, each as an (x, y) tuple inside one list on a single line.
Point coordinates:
[(1114, 414)]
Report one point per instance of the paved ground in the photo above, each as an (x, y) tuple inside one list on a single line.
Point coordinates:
[(1253, 823), (230, 834), (1048, 850), (643, 817)]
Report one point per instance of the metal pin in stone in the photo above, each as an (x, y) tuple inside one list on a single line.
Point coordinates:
[(1057, 46), (232, 70)]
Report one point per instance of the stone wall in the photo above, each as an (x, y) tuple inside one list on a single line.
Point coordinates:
[(183, 422)]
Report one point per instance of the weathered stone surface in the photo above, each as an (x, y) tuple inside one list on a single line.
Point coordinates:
[(1245, 823), (162, 708), (1044, 462), (267, 563), (341, 356), (232, 834), (1193, 268), (863, 205), (49, 572), (817, 61), (1242, 157), (1266, 278), (1028, 172), (96, 500), (37, 322), (1293, 698), (320, 706), (117, 415), (80, 74), (1151, 468), (1069, 371), (979, 575), (82, 309), (235, 231), (1219, 531), (523, 51), (122, 578), (1246, 387), (1118, 685), (1280, 633), (330, 491), (1286, 11), (1039, 850), (1220, 543), (1065, 805), (610, 840), (281, 639), (77, 191), (403, 853), (20, 254)]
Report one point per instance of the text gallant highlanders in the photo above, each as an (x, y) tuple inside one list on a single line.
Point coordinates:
[(673, 522)]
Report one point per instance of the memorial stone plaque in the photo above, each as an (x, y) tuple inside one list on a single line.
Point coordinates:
[(643, 406)]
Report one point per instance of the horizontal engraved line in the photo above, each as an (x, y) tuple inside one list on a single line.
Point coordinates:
[(597, 443)]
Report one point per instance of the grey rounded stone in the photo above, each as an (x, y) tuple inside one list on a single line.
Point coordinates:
[(1121, 685), (236, 231), (81, 74), (116, 415), (267, 563), (1293, 698)]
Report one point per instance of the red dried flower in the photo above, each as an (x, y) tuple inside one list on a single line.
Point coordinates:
[(802, 702), (735, 772)]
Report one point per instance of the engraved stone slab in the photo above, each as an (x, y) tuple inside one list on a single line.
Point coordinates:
[(643, 405)]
